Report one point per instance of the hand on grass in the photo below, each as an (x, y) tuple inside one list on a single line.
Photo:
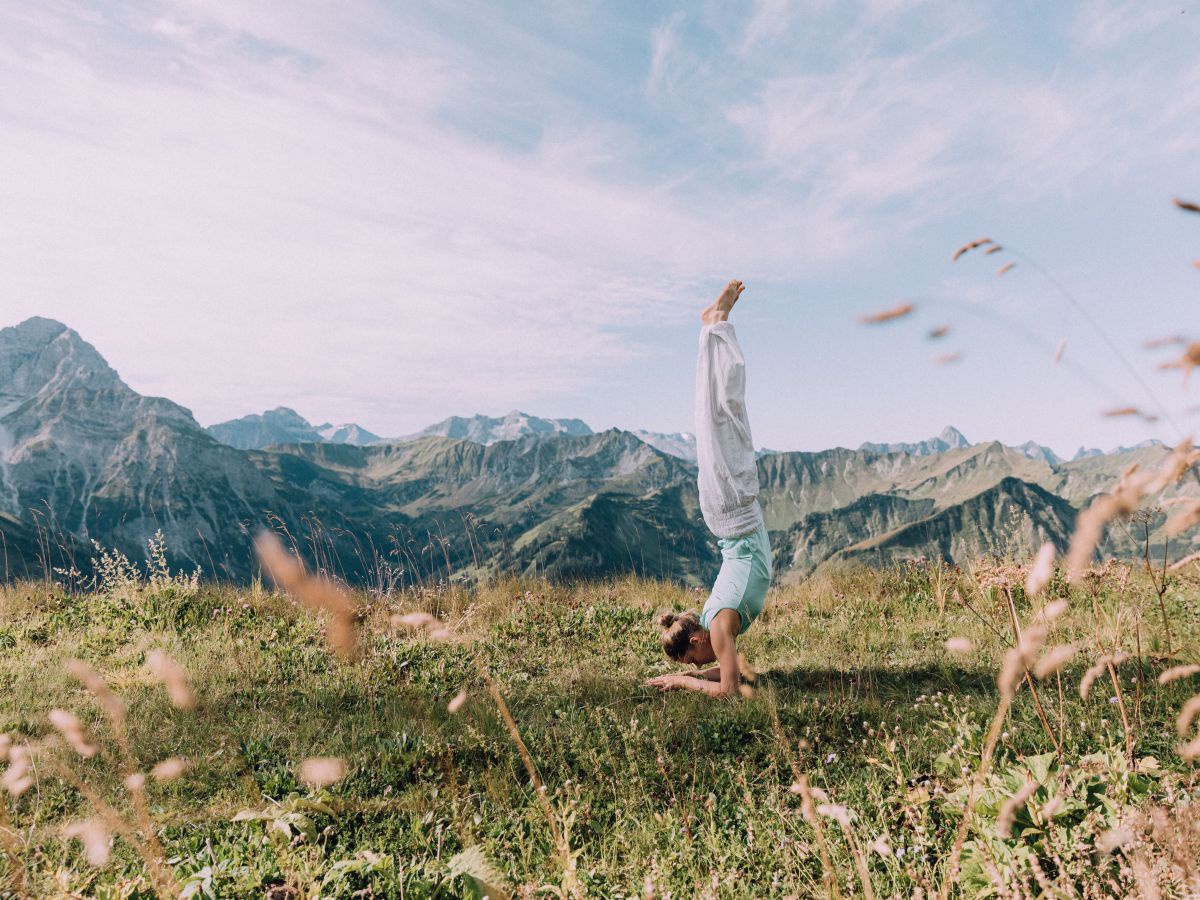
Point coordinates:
[(666, 682)]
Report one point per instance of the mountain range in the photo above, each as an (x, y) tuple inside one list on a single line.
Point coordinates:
[(83, 457)]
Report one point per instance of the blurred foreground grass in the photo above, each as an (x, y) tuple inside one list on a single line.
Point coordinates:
[(666, 795)]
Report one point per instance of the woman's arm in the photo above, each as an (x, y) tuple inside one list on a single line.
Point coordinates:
[(719, 681), (726, 625)]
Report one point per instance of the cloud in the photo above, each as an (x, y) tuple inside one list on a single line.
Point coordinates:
[(291, 206)]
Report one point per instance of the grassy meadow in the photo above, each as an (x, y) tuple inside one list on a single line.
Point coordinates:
[(844, 770)]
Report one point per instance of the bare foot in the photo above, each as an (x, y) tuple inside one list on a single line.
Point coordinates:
[(718, 310)]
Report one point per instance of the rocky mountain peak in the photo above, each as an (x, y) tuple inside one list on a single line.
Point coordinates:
[(41, 355), (953, 438)]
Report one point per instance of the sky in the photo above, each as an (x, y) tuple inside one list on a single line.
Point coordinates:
[(392, 212)]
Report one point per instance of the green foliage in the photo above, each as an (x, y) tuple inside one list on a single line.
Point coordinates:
[(689, 794)]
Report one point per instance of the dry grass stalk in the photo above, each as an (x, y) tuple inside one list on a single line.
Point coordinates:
[(1004, 268), (318, 593), (1113, 839), (322, 771), (1177, 672), (809, 811), (1053, 660), (841, 815), (72, 729), (1102, 664), (113, 705), (571, 886), (1007, 684), (1008, 812), (939, 332), (994, 249), (1118, 411), (1184, 456), (1089, 526), (899, 311), (1165, 341), (1191, 749), (1187, 715), (1188, 361), (1051, 611), (969, 246), (1186, 561), (1188, 516), (174, 679), (946, 359), (169, 769), (1187, 206), (1041, 570), (1058, 350), (95, 838), (18, 777)]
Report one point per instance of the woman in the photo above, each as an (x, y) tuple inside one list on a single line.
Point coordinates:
[(728, 479)]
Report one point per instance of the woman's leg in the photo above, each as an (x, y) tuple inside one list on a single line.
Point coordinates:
[(728, 468)]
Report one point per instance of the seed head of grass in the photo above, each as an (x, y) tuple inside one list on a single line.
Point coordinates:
[(1101, 665), (322, 771), (456, 703), (1177, 672), (318, 593), (899, 311), (1008, 812), (969, 246), (113, 705), (1053, 660), (960, 645), (169, 769), (1187, 715), (1113, 839), (1041, 570), (72, 730), (174, 679), (18, 777), (95, 838)]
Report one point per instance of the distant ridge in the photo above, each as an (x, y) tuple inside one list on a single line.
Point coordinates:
[(487, 430), (950, 439), (84, 457)]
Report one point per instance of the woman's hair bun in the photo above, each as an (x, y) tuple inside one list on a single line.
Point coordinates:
[(666, 619)]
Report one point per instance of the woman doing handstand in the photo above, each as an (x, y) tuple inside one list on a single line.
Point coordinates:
[(728, 480)]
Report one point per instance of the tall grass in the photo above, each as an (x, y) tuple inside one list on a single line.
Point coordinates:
[(866, 755)]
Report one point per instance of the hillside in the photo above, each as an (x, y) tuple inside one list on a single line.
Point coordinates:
[(83, 457)]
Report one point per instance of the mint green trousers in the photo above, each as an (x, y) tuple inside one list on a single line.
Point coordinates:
[(744, 577)]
